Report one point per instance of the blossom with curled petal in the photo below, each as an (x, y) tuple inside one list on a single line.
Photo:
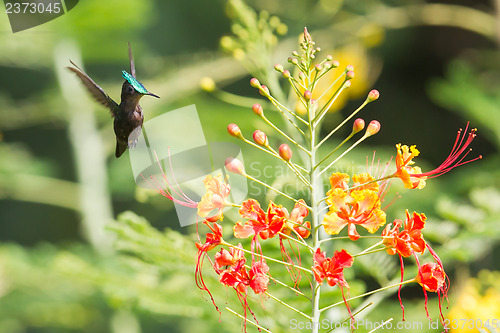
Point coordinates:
[(360, 206), (259, 223), (331, 269), (215, 198), (296, 220), (432, 277), (413, 177), (410, 239)]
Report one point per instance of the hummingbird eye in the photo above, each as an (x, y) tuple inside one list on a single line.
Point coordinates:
[(130, 89)]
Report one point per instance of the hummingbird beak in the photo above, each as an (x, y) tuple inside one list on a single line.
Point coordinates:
[(151, 94)]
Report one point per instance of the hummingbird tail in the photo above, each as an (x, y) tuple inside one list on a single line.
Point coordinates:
[(120, 149)]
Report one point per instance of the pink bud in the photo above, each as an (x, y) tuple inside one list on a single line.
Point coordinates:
[(327, 65), (234, 130), (329, 57), (349, 68), (279, 68), (358, 125), (373, 95), (286, 73), (308, 95), (257, 109), (264, 90), (285, 152), (234, 165), (335, 64), (350, 75), (255, 83), (318, 68), (260, 138), (347, 84), (373, 128)]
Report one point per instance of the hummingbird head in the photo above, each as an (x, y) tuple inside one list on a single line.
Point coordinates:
[(133, 89)]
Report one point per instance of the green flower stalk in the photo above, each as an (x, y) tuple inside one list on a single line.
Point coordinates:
[(352, 203)]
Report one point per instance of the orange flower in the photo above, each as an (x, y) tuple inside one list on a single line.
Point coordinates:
[(233, 257), (259, 223), (212, 239), (432, 277), (404, 170), (331, 268), (215, 198), (296, 220), (410, 239), (413, 177), (360, 206)]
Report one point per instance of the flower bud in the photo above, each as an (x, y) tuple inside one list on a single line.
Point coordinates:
[(307, 95), (264, 90), (285, 152), (207, 84), (358, 125), (303, 63), (335, 64), (255, 83), (234, 130), (349, 75), (373, 128), (349, 68), (294, 61), (286, 73), (318, 49), (318, 68), (260, 138), (295, 53), (329, 57), (347, 84), (327, 65), (302, 76), (278, 68), (234, 165), (373, 95), (257, 109)]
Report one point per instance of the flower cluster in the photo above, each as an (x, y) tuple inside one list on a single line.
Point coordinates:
[(353, 201)]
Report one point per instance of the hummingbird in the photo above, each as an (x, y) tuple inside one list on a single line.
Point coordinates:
[(128, 115)]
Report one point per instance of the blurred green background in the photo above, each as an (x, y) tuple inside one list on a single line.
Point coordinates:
[(70, 261)]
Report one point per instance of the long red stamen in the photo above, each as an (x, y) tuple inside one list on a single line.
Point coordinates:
[(456, 156), (401, 285)]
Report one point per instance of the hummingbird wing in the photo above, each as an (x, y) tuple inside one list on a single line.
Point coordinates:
[(131, 57), (96, 91)]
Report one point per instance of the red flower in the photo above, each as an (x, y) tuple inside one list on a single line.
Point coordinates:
[(258, 277), (331, 268), (215, 198), (412, 177), (212, 239), (234, 257), (296, 220), (360, 206), (410, 239), (432, 277), (259, 223)]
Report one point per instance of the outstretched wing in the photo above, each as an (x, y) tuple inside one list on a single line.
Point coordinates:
[(96, 91), (131, 57)]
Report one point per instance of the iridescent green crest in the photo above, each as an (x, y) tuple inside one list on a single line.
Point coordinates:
[(136, 84)]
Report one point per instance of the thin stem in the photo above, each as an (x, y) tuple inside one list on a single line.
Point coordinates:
[(369, 248), (297, 241), (334, 150), (349, 318), (369, 252), (344, 153), (342, 123), (344, 237), (369, 293), (267, 258), (332, 100), (278, 106), (248, 320), (287, 286), (272, 188), (285, 135), (288, 305)]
